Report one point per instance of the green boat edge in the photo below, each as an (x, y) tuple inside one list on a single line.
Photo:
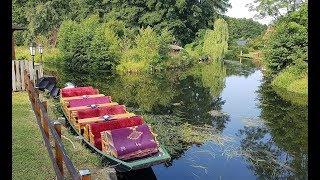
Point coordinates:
[(122, 166)]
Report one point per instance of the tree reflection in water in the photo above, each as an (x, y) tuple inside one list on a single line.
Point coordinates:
[(182, 106), (279, 148)]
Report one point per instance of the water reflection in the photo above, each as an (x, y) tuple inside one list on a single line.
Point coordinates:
[(279, 148), (186, 110), (146, 173), (184, 104), (245, 68)]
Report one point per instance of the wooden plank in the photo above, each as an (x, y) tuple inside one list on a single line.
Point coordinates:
[(23, 86), (14, 87), (18, 77), (86, 107), (36, 73), (31, 71), (43, 118), (85, 174), (41, 70), (57, 127), (26, 63)]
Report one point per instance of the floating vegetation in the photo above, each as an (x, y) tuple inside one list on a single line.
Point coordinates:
[(201, 167), (218, 113), (194, 134), (265, 159), (196, 175), (220, 139), (176, 134), (254, 122)]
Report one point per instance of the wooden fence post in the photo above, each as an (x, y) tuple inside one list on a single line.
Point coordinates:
[(57, 127), (32, 95), (14, 87), (85, 174), (37, 106), (44, 122)]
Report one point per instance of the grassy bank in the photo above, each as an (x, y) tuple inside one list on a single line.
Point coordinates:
[(30, 159), (293, 79)]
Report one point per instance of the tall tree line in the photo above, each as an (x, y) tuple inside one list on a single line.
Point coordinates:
[(183, 18)]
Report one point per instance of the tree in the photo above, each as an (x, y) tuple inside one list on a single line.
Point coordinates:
[(182, 18), (274, 8), (88, 46), (244, 29), (288, 44), (104, 50), (216, 41)]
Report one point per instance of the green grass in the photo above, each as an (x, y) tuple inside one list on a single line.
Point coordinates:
[(30, 158), (299, 86), (294, 79)]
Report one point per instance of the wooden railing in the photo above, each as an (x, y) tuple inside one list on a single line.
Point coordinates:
[(45, 124), (18, 67)]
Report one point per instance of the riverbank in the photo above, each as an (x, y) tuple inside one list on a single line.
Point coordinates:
[(293, 79), (30, 159)]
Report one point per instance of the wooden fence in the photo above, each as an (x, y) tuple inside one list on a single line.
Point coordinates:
[(18, 67), (46, 126)]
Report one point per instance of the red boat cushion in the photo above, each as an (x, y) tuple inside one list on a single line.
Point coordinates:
[(130, 142), (76, 89), (89, 101), (66, 91), (110, 110), (79, 92), (97, 128), (97, 143)]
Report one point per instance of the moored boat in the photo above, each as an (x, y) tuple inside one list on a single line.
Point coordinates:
[(122, 137)]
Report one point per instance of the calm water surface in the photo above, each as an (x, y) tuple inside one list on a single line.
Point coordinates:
[(256, 133)]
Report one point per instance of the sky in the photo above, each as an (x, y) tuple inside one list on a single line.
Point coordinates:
[(239, 10)]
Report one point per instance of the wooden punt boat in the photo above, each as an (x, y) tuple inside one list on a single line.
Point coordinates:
[(161, 156)]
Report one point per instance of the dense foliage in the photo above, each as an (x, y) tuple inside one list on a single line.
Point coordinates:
[(88, 46), (286, 54), (275, 8), (182, 18), (243, 29), (210, 44), (288, 45), (149, 51), (215, 42)]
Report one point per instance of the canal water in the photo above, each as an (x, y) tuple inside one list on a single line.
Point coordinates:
[(218, 121)]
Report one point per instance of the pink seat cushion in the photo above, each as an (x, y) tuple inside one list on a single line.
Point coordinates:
[(76, 89), (66, 91), (80, 92), (130, 142), (96, 128), (110, 110), (89, 101)]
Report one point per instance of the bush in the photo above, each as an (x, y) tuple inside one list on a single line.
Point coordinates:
[(88, 46), (287, 45), (293, 79), (150, 52)]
